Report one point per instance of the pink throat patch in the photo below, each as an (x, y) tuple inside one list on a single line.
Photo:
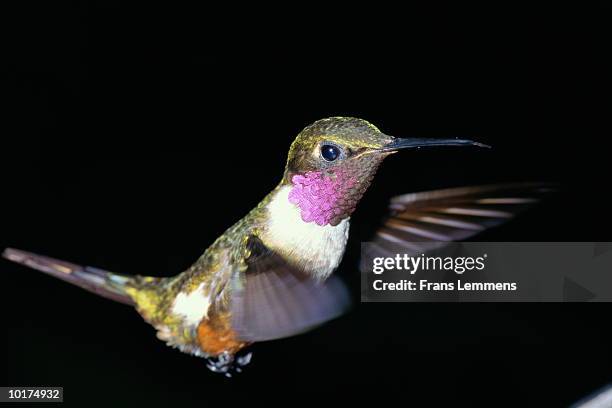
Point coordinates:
[(320, 196)]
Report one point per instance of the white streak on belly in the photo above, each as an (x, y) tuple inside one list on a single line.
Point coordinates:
[(192, 307)]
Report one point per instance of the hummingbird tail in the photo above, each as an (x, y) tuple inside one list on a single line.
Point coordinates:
[(106, 284)]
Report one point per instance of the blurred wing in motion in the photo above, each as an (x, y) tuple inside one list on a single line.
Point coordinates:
[(422, 222), (273, 300)]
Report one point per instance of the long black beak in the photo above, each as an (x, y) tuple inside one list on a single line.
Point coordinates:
[(416, 142)]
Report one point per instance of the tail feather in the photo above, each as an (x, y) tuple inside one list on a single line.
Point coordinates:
[(106, 284)]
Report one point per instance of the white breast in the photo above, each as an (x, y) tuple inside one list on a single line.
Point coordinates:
[(317, 248)]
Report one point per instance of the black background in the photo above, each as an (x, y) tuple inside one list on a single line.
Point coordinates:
[(133, 136)]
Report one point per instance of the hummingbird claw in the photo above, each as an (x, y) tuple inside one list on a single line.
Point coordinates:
[(244, 360), (227, 364)]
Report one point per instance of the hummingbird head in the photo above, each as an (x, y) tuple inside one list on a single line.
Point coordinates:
[(332, 162)]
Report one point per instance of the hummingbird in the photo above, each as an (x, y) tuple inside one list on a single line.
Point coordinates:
[(269, 275)]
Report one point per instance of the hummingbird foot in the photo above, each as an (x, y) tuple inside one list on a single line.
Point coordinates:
[(228, 364)]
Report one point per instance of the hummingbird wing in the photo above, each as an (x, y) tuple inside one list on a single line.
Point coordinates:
[(424, 221), (273, 299)]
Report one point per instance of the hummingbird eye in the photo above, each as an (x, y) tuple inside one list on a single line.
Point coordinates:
[(330, 152)]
